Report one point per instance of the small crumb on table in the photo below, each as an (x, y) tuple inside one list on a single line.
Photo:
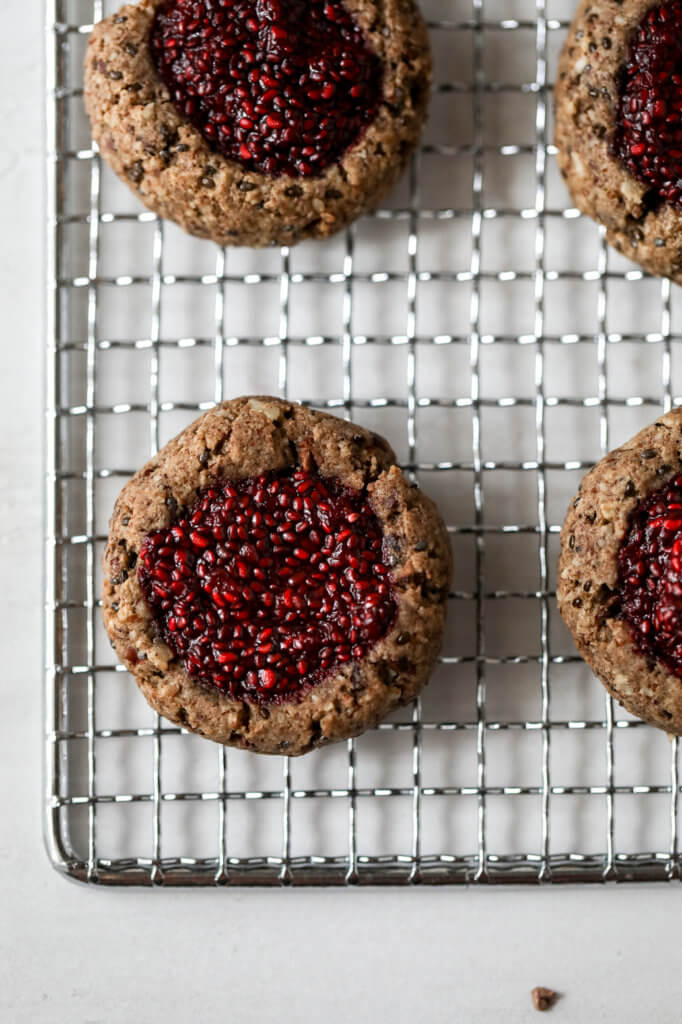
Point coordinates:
[(544, 998)]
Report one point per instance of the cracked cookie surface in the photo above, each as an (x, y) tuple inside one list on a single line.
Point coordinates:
[(641, 225), (589, 590), (243, 439), (171, 167)]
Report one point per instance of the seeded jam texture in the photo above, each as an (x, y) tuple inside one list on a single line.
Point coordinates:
[(650, 575), (648, 136), (268, 584), (281, 86)]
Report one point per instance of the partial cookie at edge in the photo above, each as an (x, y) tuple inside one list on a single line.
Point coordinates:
[(586, 97), (171, 168), (593, 530)]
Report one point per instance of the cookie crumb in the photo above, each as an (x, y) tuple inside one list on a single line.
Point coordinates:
[(543, 998)]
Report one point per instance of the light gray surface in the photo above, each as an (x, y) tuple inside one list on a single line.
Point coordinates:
[(77, 955)]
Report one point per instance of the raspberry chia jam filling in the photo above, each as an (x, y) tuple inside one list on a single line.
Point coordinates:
[(266, 585), (648, 138), (650, 576), (282, 86)]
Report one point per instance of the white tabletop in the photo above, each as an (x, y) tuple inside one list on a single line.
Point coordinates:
[(70, 953)]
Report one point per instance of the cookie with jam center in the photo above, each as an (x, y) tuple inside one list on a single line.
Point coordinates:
[(620, 573), (272, 580), (618, 126), (259, 123)]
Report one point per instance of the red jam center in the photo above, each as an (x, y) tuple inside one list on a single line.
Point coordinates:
[(282, 86), (268, 584), (650, 575), (648, 136)]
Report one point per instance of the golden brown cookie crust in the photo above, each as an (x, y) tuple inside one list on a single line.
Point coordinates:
[(246, 437), (171, 168), (586, 98), (593, 531)]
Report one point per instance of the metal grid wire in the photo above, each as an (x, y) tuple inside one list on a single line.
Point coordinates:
[(484, 327)]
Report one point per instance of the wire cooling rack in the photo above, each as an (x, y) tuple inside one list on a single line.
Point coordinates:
[(482, 326)]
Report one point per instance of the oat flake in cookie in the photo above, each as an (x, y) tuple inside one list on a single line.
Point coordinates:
[(258, 122), (620, 572), (272, 580), (619, 126)]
